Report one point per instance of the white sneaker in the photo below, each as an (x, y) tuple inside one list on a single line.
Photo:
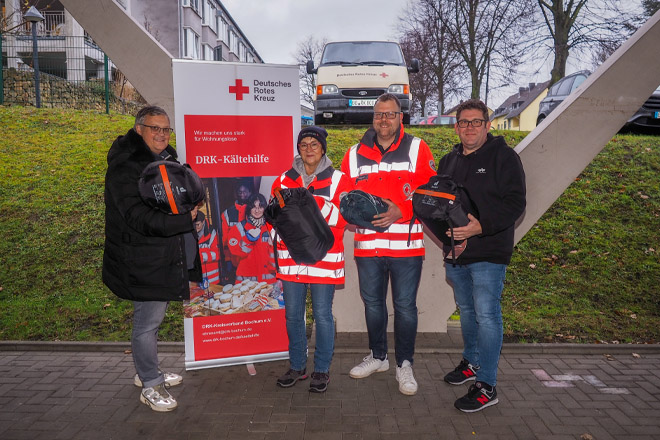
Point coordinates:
[(368, 366), (171, 379), (158, 398), (406, 379)]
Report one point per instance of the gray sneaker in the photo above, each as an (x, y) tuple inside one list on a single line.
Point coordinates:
[(171, 379), (158, 398), (290, 378)]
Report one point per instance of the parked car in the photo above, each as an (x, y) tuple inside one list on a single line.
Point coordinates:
[(428, 120), (445, 120), (560, 91), (646, 118)]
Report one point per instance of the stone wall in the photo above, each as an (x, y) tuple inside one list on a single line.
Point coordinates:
[(57, 92)]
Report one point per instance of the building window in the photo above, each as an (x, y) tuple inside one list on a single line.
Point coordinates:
[(242, 55), (221, 28), (208, 52), (233, 42), (217, 53), (213, 23), (190, 44), (192, 4), (207, 13), (250, 57)]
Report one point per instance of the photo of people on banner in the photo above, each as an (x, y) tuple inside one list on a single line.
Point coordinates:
[(236, 251)]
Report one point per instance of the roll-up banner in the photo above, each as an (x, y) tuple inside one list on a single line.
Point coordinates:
[(235, 125)]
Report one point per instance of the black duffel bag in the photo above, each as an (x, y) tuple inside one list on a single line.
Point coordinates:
[(171, 187), (297, 219), (441, 204)]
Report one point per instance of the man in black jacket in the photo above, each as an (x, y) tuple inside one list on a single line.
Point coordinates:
[(145, 258), (493, 176)]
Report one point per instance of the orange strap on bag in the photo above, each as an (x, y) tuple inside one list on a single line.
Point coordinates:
[(168, 189), (435, 194)]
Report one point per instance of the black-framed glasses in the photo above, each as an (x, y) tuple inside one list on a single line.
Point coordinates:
[(159, 130), (311, 146), (388, 115), (464, 123)]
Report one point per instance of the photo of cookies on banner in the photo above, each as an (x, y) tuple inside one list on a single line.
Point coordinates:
[(242, 297), (359, 208)]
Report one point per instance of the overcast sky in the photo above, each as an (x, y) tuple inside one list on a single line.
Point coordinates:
[(275, 28)]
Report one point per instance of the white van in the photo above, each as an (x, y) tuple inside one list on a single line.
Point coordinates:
[(352, 74)]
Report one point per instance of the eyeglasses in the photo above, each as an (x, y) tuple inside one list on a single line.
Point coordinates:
[(311, 146), (159, 130), (464, 123), (388, 115)]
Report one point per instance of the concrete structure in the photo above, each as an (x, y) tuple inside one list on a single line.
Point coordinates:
[(519, 111), (553, 154)]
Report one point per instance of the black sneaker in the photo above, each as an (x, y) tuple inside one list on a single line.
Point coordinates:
[(319, 382), (479, 396), (461, 374), (290, 378)]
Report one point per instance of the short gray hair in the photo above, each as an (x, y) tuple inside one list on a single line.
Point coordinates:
[(150, 110)]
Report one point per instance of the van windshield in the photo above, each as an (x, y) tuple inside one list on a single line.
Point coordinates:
[(362, 52)]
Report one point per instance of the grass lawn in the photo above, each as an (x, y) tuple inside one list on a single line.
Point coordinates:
[(589, 269)]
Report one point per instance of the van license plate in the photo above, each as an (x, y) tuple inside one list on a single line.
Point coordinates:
[(656, 115), (361, 102)]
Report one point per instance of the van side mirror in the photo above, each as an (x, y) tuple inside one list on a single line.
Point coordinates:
[(413, 68), (310, 67)]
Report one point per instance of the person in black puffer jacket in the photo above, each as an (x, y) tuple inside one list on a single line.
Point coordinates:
[(150, 256)]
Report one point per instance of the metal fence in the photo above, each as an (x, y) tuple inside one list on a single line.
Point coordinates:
[(72, 73)]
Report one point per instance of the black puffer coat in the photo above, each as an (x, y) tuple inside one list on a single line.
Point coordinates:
[(144, 258)]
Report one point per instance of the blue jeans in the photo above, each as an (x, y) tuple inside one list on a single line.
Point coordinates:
[(147, 317), (374, 274), (295, 295), (478, 292)]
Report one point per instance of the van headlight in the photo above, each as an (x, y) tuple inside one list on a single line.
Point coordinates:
[(399, 89), (327, 89)]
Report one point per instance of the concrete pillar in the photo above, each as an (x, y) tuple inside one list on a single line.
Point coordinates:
[(144, 61), (74, 49)]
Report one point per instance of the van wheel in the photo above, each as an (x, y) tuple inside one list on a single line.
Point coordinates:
[(319, 120), (406, 118), (540, 119)]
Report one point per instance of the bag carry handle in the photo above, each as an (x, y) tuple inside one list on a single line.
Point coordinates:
[(277, 192)]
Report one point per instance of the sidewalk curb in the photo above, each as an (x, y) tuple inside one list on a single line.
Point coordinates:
[(507, 348)]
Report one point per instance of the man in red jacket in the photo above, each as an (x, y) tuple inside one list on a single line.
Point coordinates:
[(390, 164)]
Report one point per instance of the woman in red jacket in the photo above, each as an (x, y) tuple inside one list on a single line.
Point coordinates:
[(313, 170), (250, 241)]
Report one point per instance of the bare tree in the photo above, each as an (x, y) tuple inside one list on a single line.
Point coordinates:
[(422, 83), (584, 25), (486, 33), (426, 37), (310, 48)]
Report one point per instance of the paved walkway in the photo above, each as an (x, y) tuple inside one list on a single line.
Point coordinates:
[(85, 391)]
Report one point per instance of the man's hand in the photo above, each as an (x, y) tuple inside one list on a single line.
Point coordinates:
[(385, 219), (194, 213), (464, 232)]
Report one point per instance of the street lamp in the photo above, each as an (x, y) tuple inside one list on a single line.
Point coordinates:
[(34, 16)]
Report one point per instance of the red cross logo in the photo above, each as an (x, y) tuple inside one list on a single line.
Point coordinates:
[(384, 75), (239, 89)]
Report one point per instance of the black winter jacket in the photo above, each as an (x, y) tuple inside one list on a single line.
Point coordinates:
[(144, 258), (494, 178)]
